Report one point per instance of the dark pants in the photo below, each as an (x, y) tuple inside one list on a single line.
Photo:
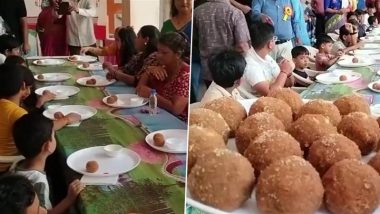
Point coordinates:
[(75, 50), (319, 25)]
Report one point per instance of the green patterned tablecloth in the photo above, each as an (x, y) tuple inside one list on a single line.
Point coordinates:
[(155, 186)]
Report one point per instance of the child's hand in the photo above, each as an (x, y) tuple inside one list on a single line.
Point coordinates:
[(47, 96), (73, 118), (107, 65), (75, 188)]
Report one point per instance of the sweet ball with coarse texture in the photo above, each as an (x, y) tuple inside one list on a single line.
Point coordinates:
[(254, 125), (375, 162), (269, 147), (351, 187), (291, 97), (201, 141), (277, 107), (222, 179), (352, 103), (231, 110), (330, 149), (289, 185), (209, 119), (362, 129), (309, 128), (322, 107)]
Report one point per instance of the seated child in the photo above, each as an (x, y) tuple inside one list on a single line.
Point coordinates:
[(33, 135), (17, 195), (226, 68), (300, 56), (12, 90), (371, 10), (324, 59), (8, 46), (348, 40), (373, 23)]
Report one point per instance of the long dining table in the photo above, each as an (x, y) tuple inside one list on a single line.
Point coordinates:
[(156, 185)]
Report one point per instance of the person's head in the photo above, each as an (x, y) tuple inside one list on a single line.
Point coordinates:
[(17, 196), (347, 34), (360, 14), (13, 59), (147, 39), (262, 36), (12, 81), (34, 136), (324, 43), (300, 56), (9, 45), (352, 15), (172, 48), (227, 67), (180, 6), (372, 21), (371, 9), (126, 43)]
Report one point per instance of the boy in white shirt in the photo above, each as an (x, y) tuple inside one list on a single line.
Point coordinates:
[(262, 74), (226, 68), (33, 135)]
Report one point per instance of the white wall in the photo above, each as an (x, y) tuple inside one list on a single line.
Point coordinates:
[(149, 12)]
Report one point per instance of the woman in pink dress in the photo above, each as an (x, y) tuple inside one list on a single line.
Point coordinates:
[(51, 30)]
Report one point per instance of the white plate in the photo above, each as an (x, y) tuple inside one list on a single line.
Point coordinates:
[(371, 46), (303, 80), (175, 140), (53, 77), (127, 101), (250, 206), (330, 78), (365, 52), (84, 111), (100, 81), (126, 161), (81, 58), (49, 62), (347, 62), (93, 67), (370, 86), (61, 91)]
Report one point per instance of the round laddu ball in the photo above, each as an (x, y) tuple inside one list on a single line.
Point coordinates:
[(362, 129), (269, 147), (322, 107), (223, 179), (210, 119), (375, 162), (330, 149), (231, 110), (201, 141), (291, 97), (351, 187), (289, 185), (309, 128), (352, 103), (277, 107), (254, 125)]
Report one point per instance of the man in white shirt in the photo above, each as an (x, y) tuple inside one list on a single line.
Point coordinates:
[(80, 27), (262, 74)]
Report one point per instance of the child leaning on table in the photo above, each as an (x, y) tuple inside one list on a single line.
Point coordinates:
[(227, 67), (12, 90), (18, 196), (34, 138), (324, 59), (300, 56)]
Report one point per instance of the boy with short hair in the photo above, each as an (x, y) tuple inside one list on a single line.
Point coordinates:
[(226, 68), (373, 23), (324, 59), (34, 138), (300, 56), (8, 46), (18, 196)]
